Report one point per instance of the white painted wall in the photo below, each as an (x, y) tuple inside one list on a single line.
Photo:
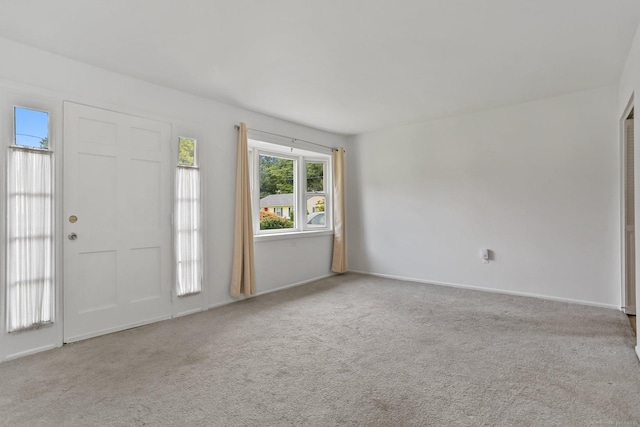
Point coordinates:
[(279, 263), (630, 88), (536, 183)]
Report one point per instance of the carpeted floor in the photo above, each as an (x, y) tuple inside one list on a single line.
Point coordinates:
[(348, 350)]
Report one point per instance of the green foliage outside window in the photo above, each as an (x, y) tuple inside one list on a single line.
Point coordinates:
[(271, 221), (315, 177), (187, 148), (276, 176)]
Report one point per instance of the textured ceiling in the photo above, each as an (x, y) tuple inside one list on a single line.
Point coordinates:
[(347, 66)]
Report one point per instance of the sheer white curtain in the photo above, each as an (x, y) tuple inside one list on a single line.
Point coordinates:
[(187, 225), (30, 292)]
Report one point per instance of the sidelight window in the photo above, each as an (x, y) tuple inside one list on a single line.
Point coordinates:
[(30, 239), (188, 248)]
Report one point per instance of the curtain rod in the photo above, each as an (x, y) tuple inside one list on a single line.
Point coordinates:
[(287, 137)]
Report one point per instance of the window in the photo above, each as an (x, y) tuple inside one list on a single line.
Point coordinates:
[(276, 191), (187, 151), (187, 220), (289, 188), (31, 128), (316, 196), (30, 240)]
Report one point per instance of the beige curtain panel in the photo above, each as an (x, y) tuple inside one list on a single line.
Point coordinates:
[(243, 274), (339, 264)]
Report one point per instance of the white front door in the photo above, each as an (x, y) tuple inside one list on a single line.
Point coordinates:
[(117, 231)]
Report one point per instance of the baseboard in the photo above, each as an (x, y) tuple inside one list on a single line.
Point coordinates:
[(116, 329), (31, 351), (304, 282), (280, 288), (494, 290), (188, 312)]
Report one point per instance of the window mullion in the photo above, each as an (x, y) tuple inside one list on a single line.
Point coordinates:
[(255, 189), (325, 191), (302, 190)]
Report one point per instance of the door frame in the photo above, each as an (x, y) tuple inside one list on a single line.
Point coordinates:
[(623, 204), (166, 170), (180, 306)]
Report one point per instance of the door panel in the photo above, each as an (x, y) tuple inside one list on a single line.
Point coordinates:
[(117, 272)]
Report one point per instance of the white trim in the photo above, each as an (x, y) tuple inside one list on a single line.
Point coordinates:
[(285, 145), (623, 202), (291, 235), (281, 288), (493, 290), (116, 329), (30, 352), (638, 351), (188, 312)]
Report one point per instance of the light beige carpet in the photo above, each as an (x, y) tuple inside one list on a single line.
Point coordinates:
[(349, 350)]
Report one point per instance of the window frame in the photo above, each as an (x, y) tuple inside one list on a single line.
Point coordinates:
[(324, 193), (55, 292), (15, 144), (195, 164), (300, 156), (200, 233), (255, 195)]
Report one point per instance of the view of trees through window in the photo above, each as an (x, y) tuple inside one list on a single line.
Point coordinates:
[(187, 151), (276, 192), (315, 177), (276, 176), (277, 199)]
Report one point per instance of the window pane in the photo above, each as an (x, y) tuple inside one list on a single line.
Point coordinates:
[(31, 128), (276, 193), (187, 151), (315, 211), (315, 177)]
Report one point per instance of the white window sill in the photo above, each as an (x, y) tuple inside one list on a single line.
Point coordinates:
[(257, 238)]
